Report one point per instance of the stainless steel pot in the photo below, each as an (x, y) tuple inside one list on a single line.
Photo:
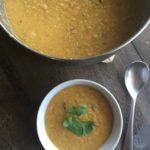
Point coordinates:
[(144, 20)]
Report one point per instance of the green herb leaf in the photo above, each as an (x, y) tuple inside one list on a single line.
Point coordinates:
[(87, 127), (78, 110), (78, 127), (74, 124)]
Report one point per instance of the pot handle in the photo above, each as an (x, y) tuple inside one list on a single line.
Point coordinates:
[(109, 60)]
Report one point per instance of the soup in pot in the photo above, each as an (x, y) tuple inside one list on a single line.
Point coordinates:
[(72, 29)]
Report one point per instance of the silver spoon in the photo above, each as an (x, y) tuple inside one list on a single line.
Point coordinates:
[(136, 76)]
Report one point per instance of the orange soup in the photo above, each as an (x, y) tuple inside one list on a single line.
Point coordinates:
[(98, 111), (73, 28)]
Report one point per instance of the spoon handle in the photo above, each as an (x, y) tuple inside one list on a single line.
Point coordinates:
[(128, 141)]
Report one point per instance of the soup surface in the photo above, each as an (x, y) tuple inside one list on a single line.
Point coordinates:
[(72, 29), (99, 111)]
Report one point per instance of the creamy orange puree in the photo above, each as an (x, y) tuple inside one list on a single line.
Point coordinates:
[(99, 111), (72, 28)]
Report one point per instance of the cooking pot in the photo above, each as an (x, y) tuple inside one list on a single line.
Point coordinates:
[(144, 20)]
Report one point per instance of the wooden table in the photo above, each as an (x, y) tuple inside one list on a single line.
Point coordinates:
[(25, 78)]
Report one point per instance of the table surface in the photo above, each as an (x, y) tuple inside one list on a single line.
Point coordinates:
[(25, 78)]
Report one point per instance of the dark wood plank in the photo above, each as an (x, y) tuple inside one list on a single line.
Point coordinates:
[(17, 130), (142, 45), (17, 113), (36, 75)]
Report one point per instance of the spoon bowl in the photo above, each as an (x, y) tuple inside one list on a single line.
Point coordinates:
[(136, 76)]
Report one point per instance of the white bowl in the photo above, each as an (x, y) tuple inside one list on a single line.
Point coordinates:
[(112, 140)]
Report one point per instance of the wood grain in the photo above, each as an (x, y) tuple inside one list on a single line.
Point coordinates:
[(142, 45), (26, 78), (17, 118)]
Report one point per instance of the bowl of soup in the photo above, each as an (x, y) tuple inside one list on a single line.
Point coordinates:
[(74, 30), (79, 114)]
